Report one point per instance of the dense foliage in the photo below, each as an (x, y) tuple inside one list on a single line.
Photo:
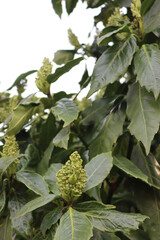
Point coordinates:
[(88, 169)]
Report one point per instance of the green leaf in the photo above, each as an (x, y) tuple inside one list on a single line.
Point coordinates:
[(66, 110), (93, 206), (61, 139), (98, 169), (98, 235), (145, 6), (63, 56), (50, 177), (44, 163), (143, 111), (21, 77), (148, 165), (84, 80), (5, 162), (34, 204), (129, 167), (70, 5), (111, 130), (6, 229), (32, 155), (74, 225), (62, 70), (147, 67), (148, 202), (112, 64), (2, 198), (95, 192), (20, 117), (22, 226), (57, 5), (95, 3), (33, 181), (152, 18), (114, 221), (51, 218), (73, 39)]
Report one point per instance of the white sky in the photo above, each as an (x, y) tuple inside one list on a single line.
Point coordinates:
[(30, 30)]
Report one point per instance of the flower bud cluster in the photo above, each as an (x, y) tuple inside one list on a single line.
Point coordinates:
[(42, 74), (72, 178), (10, 149)]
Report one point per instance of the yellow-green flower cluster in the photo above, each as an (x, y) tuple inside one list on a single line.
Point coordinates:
[(136, 8), (42, 74), (72, 178), (10, 149), (112, 20)]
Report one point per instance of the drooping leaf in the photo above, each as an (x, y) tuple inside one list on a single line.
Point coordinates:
[(147, 67), (50, 218), (93, 206), (143, 111), (22, 226), (57, 5), (66, 110), (44, 163), (85, 79), (152, 18), (148, 165), (70, 5), (33, 181), (51, 179), (114, 221), (63, 56), (6, 229), (21, 77), (112, 64), (111, 130), (95, 3), (62, 70), (98, 169), (129, 167), (148, 202), (20, 117), (34, 204), (5, 162), (61, 139), (74, 225)]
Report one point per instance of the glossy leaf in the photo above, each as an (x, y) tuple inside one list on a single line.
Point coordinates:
[(147, 67), (34, 204), (44, 163), (20, 117), (57, 5), (98, 169), (66, 110), (63, 56), (22, 226), (74, 225), (61, 139), (113, 127), (51, 179), (148, 165), (129, 167), (70, 5), (50, 218), (62, 70), (21, 77), (152, 17), (143, 111), (33, 181), (5, 162), (6, 229), (112, 64)]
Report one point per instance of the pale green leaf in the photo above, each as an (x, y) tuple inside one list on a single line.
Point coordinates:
[(95, 192), (33, 181), (63, 56), (50, 218), (147, 67), (98, 169), (6, 229), (5, 162), (112, 64), (34, 204), (152, 18), (129, 167), (111, 130), (2, 198), (74, 225), (61, 139), (62, 70), (143, 111), (66, 110)]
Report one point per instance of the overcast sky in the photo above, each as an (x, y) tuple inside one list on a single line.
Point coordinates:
[(30, 31)]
